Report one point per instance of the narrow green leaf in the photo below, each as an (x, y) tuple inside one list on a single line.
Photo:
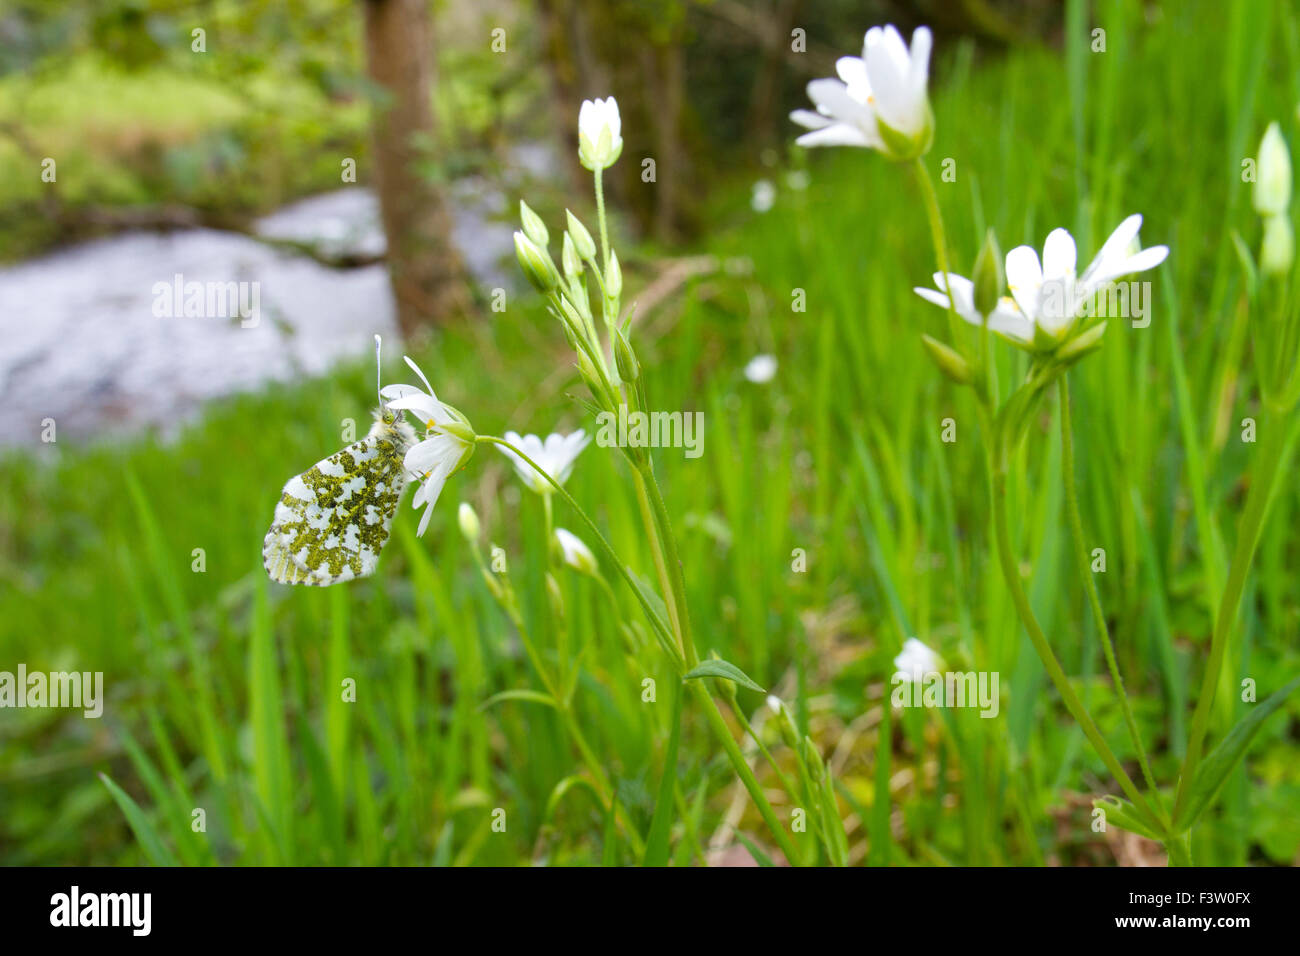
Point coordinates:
[(656, 844), (761, 858), (144, 831), (725, 670), (1218, 764), (1125, 816), (536, 696)]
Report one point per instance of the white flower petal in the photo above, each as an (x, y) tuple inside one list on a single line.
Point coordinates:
[(840, 134)]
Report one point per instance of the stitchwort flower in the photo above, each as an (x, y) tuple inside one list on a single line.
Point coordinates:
[(555, 456), (880, 100), (447, 445)]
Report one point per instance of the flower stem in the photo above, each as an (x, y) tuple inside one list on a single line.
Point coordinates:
[(711, 712), (1179, 849), (1273, 426), (939, 239), (606, 547), (1011, 574), (1090, 585)]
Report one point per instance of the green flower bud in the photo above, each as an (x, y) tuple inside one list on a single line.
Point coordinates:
[(555, 596), (629, 369), (582, 240), (590, 376), (1272, 174), (536, 264), (569, 258), (534, 228), (1277, 253), (1084, 343), (468, 520), (613, 276), (949, 362), (988, 277)]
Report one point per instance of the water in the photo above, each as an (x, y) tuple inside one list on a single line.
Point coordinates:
[(82, 344)]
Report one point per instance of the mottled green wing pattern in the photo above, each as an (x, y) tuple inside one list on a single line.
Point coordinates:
[(333, 520)]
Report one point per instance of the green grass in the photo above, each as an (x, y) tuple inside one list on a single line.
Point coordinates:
[(224, 692)]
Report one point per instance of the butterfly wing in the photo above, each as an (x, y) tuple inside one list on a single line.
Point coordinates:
[(333, 520)]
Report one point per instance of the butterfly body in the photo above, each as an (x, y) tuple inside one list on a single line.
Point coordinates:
[(332, 521)]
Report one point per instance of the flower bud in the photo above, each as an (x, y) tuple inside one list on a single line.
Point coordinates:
[(569, 258), (576, 553), (613, 276), (1277, 253), (1272, 174), (629, 369), (949, 362), (555, 596), (988, 275), (582, 240), (534, 228), (468, 520), (590, 376), (1082, 344), (600, 128), (536, 264)]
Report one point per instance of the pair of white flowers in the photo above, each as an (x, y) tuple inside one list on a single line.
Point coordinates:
[(880, 101)]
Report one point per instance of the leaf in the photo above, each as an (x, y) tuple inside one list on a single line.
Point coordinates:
[(650, 597), (761, 858), (536, 696), (1214, 769), (725, 670), (150, 841), (656, 844), (1125, 816)]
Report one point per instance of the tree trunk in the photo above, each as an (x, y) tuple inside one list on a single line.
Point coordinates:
[(424, 267)]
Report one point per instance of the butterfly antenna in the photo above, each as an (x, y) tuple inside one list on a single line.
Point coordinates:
[(379, 372)]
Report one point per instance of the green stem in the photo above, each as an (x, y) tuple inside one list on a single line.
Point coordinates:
[(604, 790), (723, 733), (1011, 574), (1090, 585), (674, 565), (714, 716), (1273, 426), (605, 546), (939, 239), (1179, 849)]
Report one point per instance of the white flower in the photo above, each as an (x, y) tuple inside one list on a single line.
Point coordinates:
[(1047, 297), (761, 369), (576, 553), (764, 196), (555, 456), (448, 443), (599, 133), (915, 661), (881, 102)]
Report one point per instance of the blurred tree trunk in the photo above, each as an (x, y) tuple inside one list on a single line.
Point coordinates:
[(424, 267)]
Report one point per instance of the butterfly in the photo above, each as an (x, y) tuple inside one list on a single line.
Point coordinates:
[(332, 521)]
